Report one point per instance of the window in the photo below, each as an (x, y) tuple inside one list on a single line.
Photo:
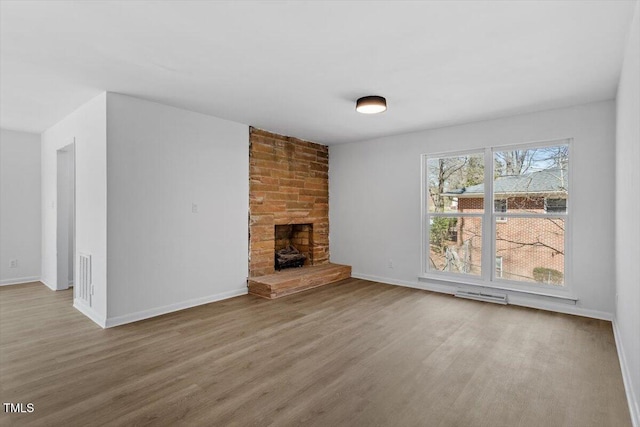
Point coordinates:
[(500, 205), (498, 214), (498, 266), (555, 205)]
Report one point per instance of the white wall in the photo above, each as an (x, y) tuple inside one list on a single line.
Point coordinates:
[(161, 161), (627, 213), (374, 191), (19, 206), (87, 126)]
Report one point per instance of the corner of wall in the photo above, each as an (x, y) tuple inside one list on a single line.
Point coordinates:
[(90, 313), (86, 126), (176, 215), (627, 245), (632, 399)]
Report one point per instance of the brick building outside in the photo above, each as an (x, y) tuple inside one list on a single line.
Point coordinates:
[(529, 249)]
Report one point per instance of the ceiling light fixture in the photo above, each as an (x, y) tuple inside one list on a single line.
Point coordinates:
[(371, 105)]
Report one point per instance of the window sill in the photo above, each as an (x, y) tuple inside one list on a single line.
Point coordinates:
[(461, 281)]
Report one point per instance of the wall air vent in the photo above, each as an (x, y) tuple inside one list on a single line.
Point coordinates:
[(84, 288)]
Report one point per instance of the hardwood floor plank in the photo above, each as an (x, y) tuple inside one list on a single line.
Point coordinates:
[(352, 353)]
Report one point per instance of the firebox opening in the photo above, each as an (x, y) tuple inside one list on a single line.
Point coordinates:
[(293, 245)]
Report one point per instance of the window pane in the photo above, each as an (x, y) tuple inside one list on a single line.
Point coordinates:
[(531, 249), (455, 244), (529, 178), (450, 177), (555, 205)]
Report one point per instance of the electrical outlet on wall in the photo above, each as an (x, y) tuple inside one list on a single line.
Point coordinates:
[(194, 208), (13, 263), (390, 264)]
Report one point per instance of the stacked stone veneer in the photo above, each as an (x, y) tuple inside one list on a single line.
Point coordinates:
[(288, 184)]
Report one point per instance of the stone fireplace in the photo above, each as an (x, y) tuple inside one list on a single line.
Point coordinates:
[(288, 199)]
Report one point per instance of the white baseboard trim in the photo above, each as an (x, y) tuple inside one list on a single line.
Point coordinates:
[(632, 399), (44, 282), (89, 312), (445, 289), (158, 311), (530, 301), (19, 280)]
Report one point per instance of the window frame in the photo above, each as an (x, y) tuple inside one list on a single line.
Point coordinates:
[(487, 277)]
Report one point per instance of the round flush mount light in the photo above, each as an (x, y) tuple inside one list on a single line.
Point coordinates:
[(371, 105)]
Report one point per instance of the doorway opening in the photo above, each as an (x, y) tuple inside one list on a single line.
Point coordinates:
[(66, 221)]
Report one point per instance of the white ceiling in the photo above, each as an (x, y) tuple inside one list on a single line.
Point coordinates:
[(296, 68)]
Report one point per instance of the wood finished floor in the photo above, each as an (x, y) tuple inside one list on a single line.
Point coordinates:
[(355, 353)]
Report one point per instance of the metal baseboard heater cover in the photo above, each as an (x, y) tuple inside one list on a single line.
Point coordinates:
[(483, 296)]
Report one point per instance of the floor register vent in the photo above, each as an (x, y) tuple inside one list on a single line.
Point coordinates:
[(483, 296)]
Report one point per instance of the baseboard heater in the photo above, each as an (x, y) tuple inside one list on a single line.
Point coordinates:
[(483, 296)]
